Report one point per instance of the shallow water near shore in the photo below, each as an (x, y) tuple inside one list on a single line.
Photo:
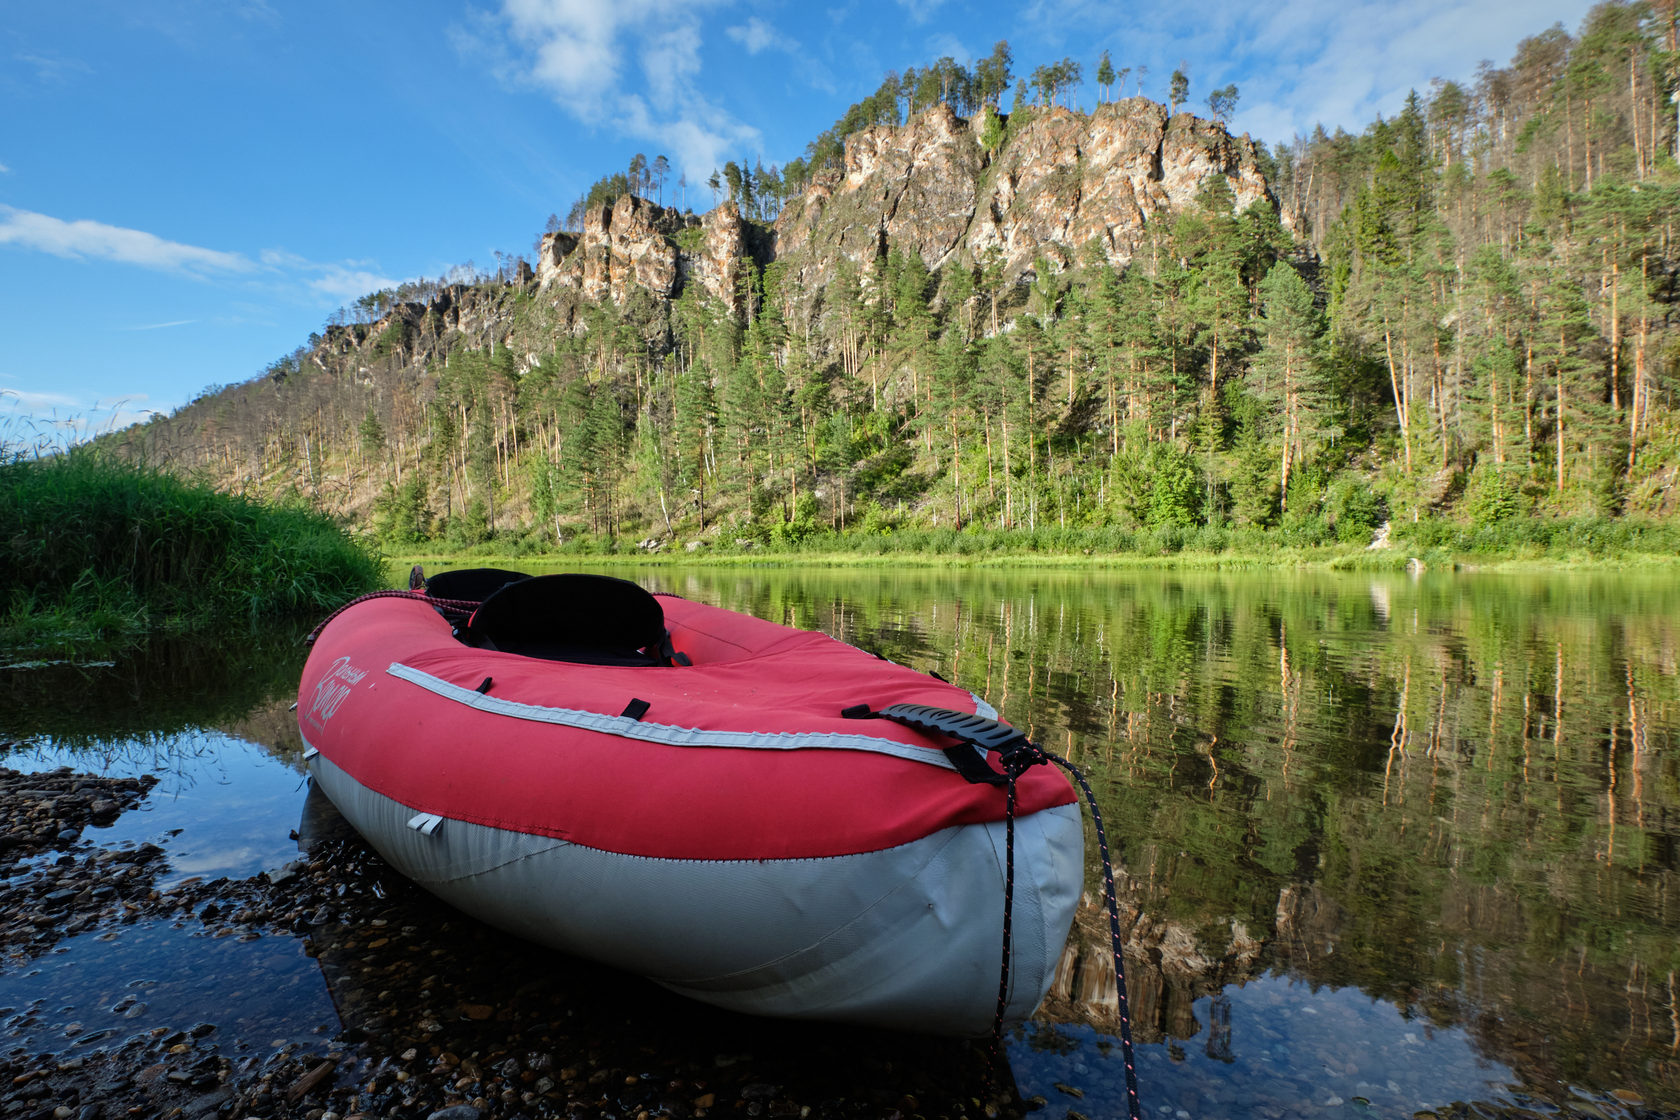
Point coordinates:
[(1384, 845)]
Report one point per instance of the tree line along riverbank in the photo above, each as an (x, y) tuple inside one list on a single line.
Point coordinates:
[(1464, 314)]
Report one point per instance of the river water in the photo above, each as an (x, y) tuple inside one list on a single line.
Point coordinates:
[(1383, 843)]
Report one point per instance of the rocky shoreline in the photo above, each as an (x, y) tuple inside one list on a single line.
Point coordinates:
[(433, 1016), (439, 1017)]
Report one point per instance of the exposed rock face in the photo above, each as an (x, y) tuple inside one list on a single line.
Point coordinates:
[(1061, 182), (909, 188), (717, 266), (628, 244), (552, 255)]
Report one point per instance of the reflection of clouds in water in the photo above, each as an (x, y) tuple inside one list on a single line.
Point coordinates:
[(203, 863), (262, 989), (1379, 599), (222, 805)]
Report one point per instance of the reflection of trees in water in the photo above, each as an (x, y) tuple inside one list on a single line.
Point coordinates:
[(1466, 787), (166, 688), (1457, 795)]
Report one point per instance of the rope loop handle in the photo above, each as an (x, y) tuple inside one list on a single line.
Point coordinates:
[(1016, 755)]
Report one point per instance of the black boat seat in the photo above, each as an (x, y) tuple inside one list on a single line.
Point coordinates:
[(582, 618)]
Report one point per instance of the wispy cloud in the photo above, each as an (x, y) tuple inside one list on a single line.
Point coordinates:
[(51, 69), (339, 280), (347, 283), (42, 423), (633, 65), (161, 326), (920, 10), (82, 239), (943, 44), (92, 241), (1336, 62), (758, 36), (25, 400), (4, 170)]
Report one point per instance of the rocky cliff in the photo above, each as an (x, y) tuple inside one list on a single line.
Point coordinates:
[(1057, 183), (635, 243)]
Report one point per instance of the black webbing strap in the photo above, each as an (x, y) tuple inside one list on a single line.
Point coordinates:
[(976, 735)]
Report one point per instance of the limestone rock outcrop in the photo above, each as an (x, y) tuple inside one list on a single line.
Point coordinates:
[(630, 243), (1058, 182)]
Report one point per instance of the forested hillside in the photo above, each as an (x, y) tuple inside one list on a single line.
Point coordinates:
[(1118, 320)]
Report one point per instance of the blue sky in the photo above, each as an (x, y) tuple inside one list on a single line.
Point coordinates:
[(188, 188)]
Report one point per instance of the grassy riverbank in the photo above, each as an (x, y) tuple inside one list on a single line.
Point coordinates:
[(97, 555), (1435, 544)]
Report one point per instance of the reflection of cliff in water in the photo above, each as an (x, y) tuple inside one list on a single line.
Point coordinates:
[(1594, 1021)]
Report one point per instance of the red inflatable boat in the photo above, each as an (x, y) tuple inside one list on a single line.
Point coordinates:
[(688, 793)]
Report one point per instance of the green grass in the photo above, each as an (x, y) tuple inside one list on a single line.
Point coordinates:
[(97, 555), (1440, 544)]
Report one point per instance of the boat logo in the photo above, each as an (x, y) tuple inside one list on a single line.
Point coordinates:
[(331, 689)]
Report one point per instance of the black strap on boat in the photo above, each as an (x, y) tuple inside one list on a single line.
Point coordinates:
[(975, 735), (636, 709), (1017, 754)]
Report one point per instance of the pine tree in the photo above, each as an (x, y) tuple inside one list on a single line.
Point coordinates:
[(1288, 370)]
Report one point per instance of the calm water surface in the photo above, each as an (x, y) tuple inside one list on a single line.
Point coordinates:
[(1384, 843)]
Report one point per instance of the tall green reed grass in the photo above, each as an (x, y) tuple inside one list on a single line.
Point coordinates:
[(95, 552)]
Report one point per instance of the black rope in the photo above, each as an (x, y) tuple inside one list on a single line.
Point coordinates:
[(1134, 1107), (998, 1061), (456, 610), (1016, 762)]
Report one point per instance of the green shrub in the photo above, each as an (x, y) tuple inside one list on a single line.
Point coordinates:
[(1494, 494), (1355, 509)]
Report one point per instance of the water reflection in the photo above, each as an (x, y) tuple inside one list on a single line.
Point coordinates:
[(1456, 795), (1386, 843), (224, 806), (100, 989)]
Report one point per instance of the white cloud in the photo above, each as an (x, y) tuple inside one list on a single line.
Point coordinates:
[(920, 10), (339, 280), (4, 170), (83, 239), (161, 326), (42, 423), (758, 36), (943, 44), (1335, 62), (344, 283), (701, 139), (631, 65), (28, 401), (97, 241), (51, 69)]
